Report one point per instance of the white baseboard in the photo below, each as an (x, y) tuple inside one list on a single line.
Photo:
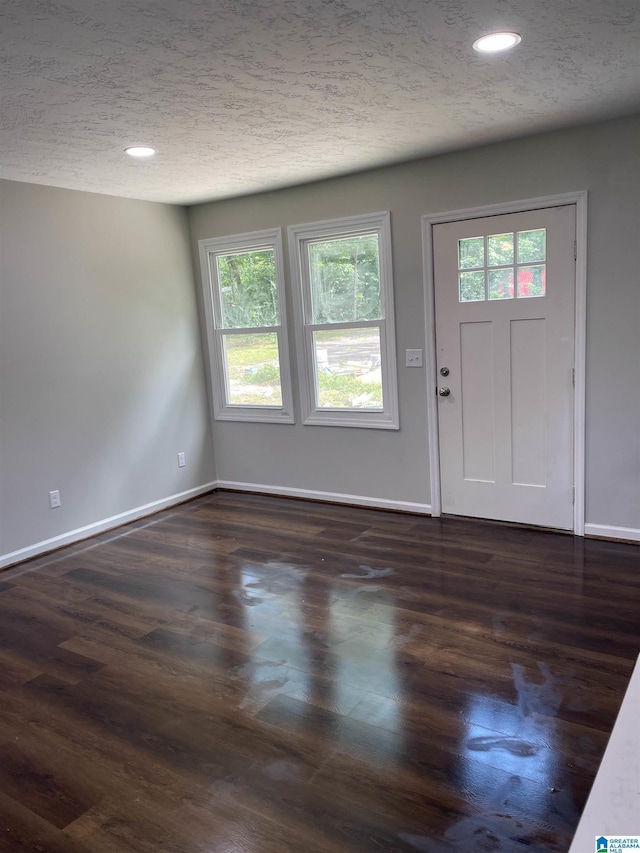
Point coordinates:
[(100, 526), (330, 497), (602, 531), (606, 531)]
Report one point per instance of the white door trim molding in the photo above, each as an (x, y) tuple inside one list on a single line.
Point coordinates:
[(579, 199)]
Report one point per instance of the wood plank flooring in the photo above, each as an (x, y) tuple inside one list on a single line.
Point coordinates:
[(245, 674)]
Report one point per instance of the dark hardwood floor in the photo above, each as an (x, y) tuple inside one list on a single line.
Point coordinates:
[(245, 674)]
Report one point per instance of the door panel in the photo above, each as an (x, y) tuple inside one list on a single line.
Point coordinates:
[(504, 307), (528, 402), (477, 416)]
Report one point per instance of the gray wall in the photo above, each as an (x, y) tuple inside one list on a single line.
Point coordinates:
[(101, 370), (603, 159), (101, 377)]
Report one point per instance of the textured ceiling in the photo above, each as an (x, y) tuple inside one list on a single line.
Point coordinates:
[(240, 96)]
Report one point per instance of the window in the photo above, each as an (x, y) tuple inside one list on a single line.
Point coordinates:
[(343, 292), (243, 289), (491, 266)]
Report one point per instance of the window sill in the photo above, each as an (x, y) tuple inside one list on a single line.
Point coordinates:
[(361, 420), (266, 416)]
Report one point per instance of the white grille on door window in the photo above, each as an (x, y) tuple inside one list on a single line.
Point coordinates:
[(502, 266)]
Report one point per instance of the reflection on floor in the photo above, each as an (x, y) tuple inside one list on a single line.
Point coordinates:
[(256, 674)]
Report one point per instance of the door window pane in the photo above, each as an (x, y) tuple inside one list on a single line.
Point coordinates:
[(470, 252), (253, 369), (248, 291), (500, 249), (348, 368), (501, 269), (532, 245), (471, 286), (532, 281), (345, 279), (501, 284)]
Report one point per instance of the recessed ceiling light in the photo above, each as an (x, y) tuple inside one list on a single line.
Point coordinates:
[(140, 151), (496, 41)]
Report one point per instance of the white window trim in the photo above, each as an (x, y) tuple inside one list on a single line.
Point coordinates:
[(299, 236), (224, 410)]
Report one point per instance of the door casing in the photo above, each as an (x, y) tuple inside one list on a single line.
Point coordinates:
[(579, 199)]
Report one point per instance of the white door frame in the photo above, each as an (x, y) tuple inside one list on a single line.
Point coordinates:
[(579, 199)]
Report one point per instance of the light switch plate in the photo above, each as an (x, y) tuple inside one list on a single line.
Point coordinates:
[(414, 357)]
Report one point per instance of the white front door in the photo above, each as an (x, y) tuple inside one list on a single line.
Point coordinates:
[(504, 308)]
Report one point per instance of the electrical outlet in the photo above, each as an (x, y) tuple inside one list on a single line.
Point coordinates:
[(54, 499), (181, 460), (413, 357)]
